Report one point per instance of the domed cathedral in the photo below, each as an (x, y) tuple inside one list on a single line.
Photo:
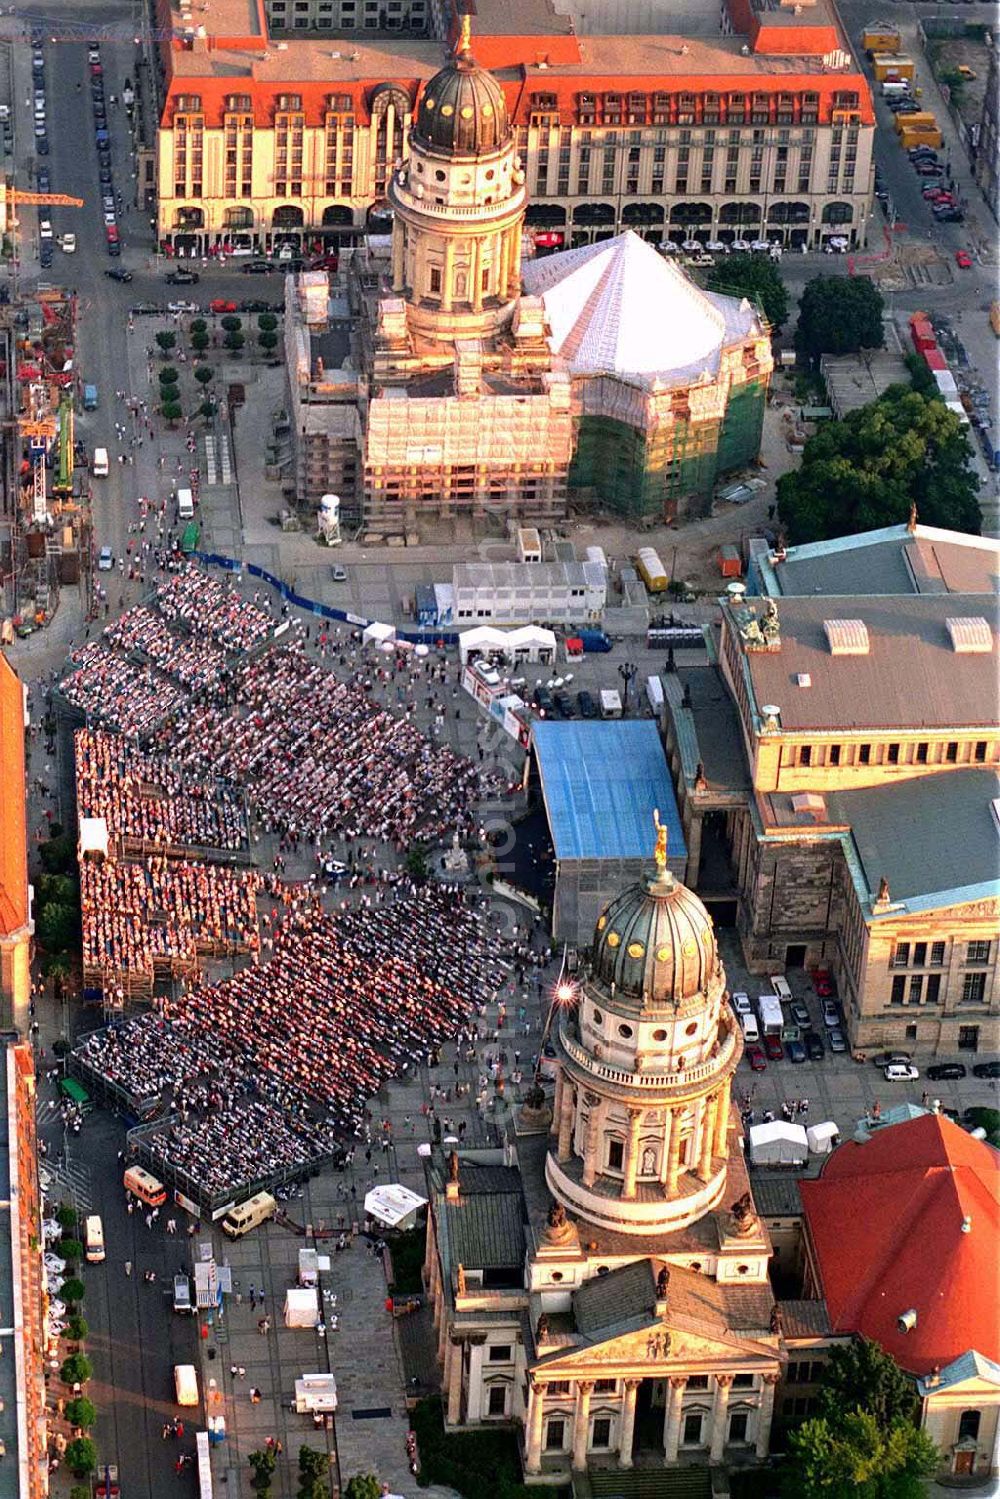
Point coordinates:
[(457, 369), (611, 1255), (458, 207), (645, 1066)]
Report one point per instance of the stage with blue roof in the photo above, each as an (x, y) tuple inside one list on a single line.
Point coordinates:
[(599, 783)]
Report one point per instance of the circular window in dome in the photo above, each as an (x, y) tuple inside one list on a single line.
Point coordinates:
[(556, 1276), (602, 922), (625, 1031), (428, 103), (466, 111), (659, 1035), (692, 1029), (598, 1018), (695, 1265), (447, 109), (487, 111), (663, 954), (706, 937), (613, 939), (690, 947), (439, 176), (636, 950), (490, 174), (742, 1269)]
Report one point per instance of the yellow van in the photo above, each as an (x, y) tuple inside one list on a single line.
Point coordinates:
[(144, 1185), (250, 1214), (93, 1240), (186, 1384)]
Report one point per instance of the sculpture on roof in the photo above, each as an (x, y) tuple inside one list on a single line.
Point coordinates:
[(662, 1282), (770, 624), (453, 1166), (776, 1318), (542, 1330), (556, 1216), (744, 1215), (660, 851)]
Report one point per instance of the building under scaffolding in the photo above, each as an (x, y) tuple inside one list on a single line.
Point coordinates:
[(669, 382)]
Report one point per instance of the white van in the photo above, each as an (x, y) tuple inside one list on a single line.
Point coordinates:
[(186, 1384), (751, 1030), (185, 504), (99, 467), (250, 1214), (93, 1240), (781, 987)]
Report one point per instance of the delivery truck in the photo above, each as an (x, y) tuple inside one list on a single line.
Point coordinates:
[(921, 120), (881, 39), (892, 66)]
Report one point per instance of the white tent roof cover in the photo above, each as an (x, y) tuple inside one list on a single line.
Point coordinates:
[(93, 836), (378, 633), (822, 1136), (779, 1141), (531, 635), (618, 307)]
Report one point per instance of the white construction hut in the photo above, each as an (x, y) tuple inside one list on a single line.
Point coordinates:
[(394, 1205), (315, 1393), (778, 1144)]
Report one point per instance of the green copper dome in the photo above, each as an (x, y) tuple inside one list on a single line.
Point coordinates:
[(655, 943)]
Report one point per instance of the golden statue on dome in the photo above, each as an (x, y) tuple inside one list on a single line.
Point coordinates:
[(660, 851)]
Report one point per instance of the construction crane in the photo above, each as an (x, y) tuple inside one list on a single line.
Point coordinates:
[(14, 195)]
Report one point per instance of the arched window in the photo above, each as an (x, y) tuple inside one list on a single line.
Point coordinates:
[(838, 213), (968, 1426), (288, 216)]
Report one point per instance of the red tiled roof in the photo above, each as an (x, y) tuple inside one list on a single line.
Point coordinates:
[(886, 1224), (13, 811)]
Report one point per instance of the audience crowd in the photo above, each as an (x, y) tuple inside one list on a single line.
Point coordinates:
[(265, 1071), (146, 797)]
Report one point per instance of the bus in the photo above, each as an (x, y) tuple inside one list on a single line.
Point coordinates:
[(651, 570), (205, 1490), (190, 538)]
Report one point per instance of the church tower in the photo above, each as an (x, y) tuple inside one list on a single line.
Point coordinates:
[(458, 206), (645, 1067)]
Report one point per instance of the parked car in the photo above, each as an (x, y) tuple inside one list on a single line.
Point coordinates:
[(799, 1013), (796, 1051), (105, 561), (773, 1048), (257, 268), (542, 699), (253, 304), (756, 1058), (586, 704), (183, 307), (221, 304), (822, 981), (900, 1073), (564, 706), (963, 260), (741, 1003), (831, 1012), (814, 1046), (837, 1039), (892, 1058), (182, 277), (338, 572), (53, 1264), (986, 1069), (941, 1072), (949, 216), (118, 273), (45, 228)]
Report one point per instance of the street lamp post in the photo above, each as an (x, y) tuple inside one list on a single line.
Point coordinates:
[(627, 671)]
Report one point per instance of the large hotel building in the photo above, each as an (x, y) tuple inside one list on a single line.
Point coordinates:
[(743, 120)]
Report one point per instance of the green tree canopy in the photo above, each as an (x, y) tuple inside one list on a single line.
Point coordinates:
[(861, 1376), (856, 1457), (80, 1412), (753, 276), (839, 315), (81, 1456), (166, 340), (58, 855), (268, 340), (867, 470), (171, 411), (204, 374), (199, 341), (267, 322), (363, 1486), (987, 1119), (72, 1289), (235, 340), (58, 927), (75, 1369)]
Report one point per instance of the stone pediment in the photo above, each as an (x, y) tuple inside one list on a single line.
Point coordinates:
[(658, 1345)]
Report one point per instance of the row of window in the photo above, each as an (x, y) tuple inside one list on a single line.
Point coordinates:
[(920, 990), (918, 752), (558, 1428), (932, 955)]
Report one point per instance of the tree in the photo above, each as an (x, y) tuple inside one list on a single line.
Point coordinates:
[(66, 1216), (70, 1250), (753, 276), (267, 322), (207, 410), (416, 863), (171, 412), (72, 1290), (268, 341), (169, 375), (235, 341), (199, 325), (77, 1328), (860, 1375), (75, 1369), (986, 1119), (60, 888), (81, 1456), (839, 315), (263, 1463), (312, 1464), (231, 323), (58, 855), (363, 1486), (858, 1458), (204, 374), (165, 341), (81, 1412), (868, 470), (79, 1491), (199, 342), (57, 927)]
